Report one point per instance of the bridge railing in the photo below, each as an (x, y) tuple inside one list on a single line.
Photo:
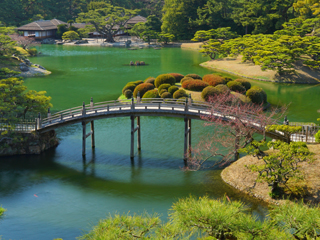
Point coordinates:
[(188, 104), (22, 126)]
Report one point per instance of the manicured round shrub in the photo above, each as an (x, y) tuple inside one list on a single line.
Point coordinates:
[(150, 80), (255, 96), (130, 86), (164, 78), (236, 87), (166, 95), (142, 89), (172, 89), (32, 51), (179, 94), (194, 85), (244, 82), (164, 86), (136, 82), (213, 80), (185, 79), (163, 91), (151, 94), (194, 76), (222, 88), (227, 79), (209, 92), (128, 93), (177, 76), (263, 93)]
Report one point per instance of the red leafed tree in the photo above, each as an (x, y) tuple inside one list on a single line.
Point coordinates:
[(234, 124), (24, 42)]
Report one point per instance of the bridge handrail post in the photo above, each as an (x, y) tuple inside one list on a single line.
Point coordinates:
[(190, 100), (138, 98), (83, 109), (49, 115), (39, 121), (132, 103), (91, 103), (186, 105)]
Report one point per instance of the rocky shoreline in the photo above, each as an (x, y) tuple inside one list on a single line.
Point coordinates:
[(28, 69)]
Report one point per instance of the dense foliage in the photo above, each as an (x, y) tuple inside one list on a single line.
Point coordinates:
[(194, 76), (213, 80), (164, 78), (150, 80), (164, 86), (205, 218), (70, 35), (173, 89), (236, 87), (209, 93), (179, 94), (177, 76), (194, 85), (142, 89), (151, 94)]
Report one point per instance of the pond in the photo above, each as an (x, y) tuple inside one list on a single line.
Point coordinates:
[(55, 195)]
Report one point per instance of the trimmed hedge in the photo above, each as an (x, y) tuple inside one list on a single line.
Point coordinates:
[(164, 78), (244, 82), (194, 85), (162, 91), (173, 89), (136, 82), (177, 76), (222, 88), (151, 94), (142, 89), (179, 94), (164, 86), (213, 80), (263, 93), (130, 86), (166, 95), (194, 76), (150, 80), (128, 93), (236, 87), (227, 79), (255, 96), (185, 79), (209, 92)]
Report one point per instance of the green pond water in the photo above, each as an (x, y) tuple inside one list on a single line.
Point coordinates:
[(55, 195)]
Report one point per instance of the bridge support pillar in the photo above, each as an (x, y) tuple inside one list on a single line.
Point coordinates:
[(83, 138), (85, 135), (187, 141), (139, 133)]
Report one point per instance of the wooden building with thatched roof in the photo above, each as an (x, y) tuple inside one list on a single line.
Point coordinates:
[(129, 24), (41, 29)]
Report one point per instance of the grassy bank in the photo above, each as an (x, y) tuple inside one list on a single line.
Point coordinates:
[(241, 178), (304, 75)]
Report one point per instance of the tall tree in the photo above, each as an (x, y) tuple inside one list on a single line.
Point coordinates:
[(108, 20)]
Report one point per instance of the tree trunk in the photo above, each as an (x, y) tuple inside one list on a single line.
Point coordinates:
[(109, 38)]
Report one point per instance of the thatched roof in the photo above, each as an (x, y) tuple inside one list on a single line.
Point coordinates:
[(41, 25), (80, 25)]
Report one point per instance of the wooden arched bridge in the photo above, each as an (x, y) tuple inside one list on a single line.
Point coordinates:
[(135, 108)]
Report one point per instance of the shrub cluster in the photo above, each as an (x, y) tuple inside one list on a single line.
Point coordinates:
[(177, 76), (128, 93), (151, 94), (227, 79), (194, 76), (150, 80), (257, 95), (194, 85), (185, 79), (173, 89), (317, 136), (166, 95), (32, 51), (179, 94), (236, 87), (244, 82), (164, 86), (142, 89), (213, 80), (162, 91), (129, 86), (222, 88), (209, 92), (164, 78)]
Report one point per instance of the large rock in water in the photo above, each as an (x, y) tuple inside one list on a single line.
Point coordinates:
[(39, 66), (24, 67), (27, 61)]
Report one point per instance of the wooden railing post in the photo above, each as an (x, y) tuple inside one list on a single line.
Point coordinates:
[(185, 151), (91, 103), (92, 135), (190, 100), (138, 97), (189, 136), (132, 103), (39, 121), (186, 105), (132, 138), (83, 109), (49, 115), (83, 138)]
